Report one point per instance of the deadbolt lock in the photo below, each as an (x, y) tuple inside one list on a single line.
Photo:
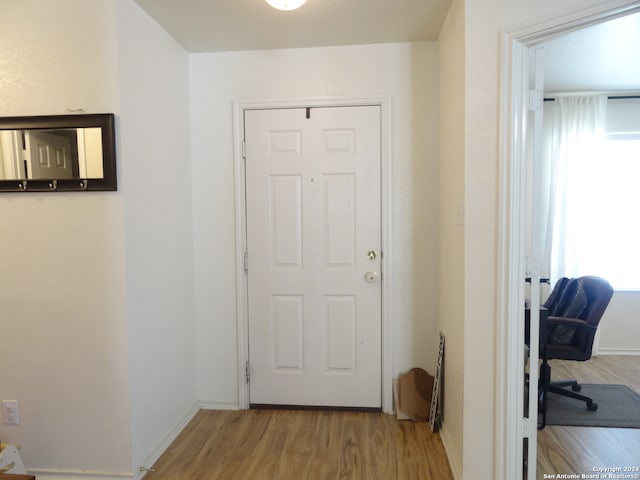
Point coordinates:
[(371, 255)]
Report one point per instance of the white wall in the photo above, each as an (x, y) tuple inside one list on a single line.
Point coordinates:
[(63, 347), (408, 73), (451, 293), (619, 329), (156, 187), (97, 313)]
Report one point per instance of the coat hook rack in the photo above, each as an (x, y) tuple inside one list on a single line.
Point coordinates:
[(91, 148)]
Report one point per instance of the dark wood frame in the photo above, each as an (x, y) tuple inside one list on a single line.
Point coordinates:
[(105, 121)]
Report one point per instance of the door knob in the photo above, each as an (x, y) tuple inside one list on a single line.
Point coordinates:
[(371, 277)]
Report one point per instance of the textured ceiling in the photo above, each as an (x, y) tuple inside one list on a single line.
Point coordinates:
[(228, 25)]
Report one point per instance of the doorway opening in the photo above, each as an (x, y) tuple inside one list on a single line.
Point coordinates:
[(517, 130)]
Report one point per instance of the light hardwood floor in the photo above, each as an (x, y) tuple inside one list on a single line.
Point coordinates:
[(577, 450), (289, 444), (297, 444)]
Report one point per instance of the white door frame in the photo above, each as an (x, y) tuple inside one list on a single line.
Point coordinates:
[(239, 107), (514, 71)]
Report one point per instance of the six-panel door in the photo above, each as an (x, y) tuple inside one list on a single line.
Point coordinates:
[(314, 256)]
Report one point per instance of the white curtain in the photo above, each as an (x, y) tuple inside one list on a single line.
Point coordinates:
[(573, 134)]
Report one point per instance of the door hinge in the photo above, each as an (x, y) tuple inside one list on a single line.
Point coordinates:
[(247, 371), (244, 149), (245, 261), (536, 99)]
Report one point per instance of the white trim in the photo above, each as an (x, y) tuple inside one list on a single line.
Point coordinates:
[(241, 242), (618, 351), (239, 106), (534, 34), (514, 74), (511, 268), (212, 405), (448, 448), (165, 443), (50, 474)]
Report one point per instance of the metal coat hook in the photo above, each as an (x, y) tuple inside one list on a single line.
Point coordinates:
[(53, 185), (83, 184), (23, 185)]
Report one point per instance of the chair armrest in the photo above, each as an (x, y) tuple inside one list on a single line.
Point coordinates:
[(566, 321), (570, 331)]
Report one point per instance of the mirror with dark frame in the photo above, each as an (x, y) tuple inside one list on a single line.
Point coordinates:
[(58, 153)]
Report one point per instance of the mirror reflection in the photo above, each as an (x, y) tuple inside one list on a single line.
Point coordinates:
[(61, 153), (58, 153)]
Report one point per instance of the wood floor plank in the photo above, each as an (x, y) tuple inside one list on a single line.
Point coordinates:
[(577, 450), (295, 444), (298, 448), (326, 448), (380, 448), (352, 459)]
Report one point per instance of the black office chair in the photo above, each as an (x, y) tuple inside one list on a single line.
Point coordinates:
[(575, 308)]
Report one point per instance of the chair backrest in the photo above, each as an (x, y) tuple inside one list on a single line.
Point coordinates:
[(599, 293), (585, 298)]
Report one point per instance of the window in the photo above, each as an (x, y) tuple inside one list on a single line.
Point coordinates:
[(609, 210)]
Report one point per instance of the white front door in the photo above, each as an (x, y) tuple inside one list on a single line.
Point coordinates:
[(314, 256)]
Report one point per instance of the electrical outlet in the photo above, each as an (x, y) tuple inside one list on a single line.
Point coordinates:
[(10, 414)]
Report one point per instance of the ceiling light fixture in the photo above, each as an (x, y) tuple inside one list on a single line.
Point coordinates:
[(286, 4)]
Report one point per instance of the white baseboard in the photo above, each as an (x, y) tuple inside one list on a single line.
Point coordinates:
[(444, 436), (180, 425), (50, 474), (212, 405), (617, 351), (164, 444)]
